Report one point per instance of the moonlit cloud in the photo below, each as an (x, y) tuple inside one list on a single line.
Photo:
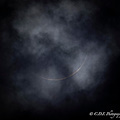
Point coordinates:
[(54, 46)]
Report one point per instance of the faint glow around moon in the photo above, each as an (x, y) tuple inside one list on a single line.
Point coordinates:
[(72, 74)]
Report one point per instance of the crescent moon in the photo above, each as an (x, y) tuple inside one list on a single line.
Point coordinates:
[(72, 74)]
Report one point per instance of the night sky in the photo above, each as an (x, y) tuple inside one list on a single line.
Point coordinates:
[(44, 41)]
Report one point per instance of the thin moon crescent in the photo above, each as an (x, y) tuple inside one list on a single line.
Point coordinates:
[(75, 72)]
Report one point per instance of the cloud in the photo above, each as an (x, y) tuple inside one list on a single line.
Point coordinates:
[(56, 49)]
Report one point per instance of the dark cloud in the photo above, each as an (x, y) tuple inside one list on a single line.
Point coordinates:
[(51, 39)]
